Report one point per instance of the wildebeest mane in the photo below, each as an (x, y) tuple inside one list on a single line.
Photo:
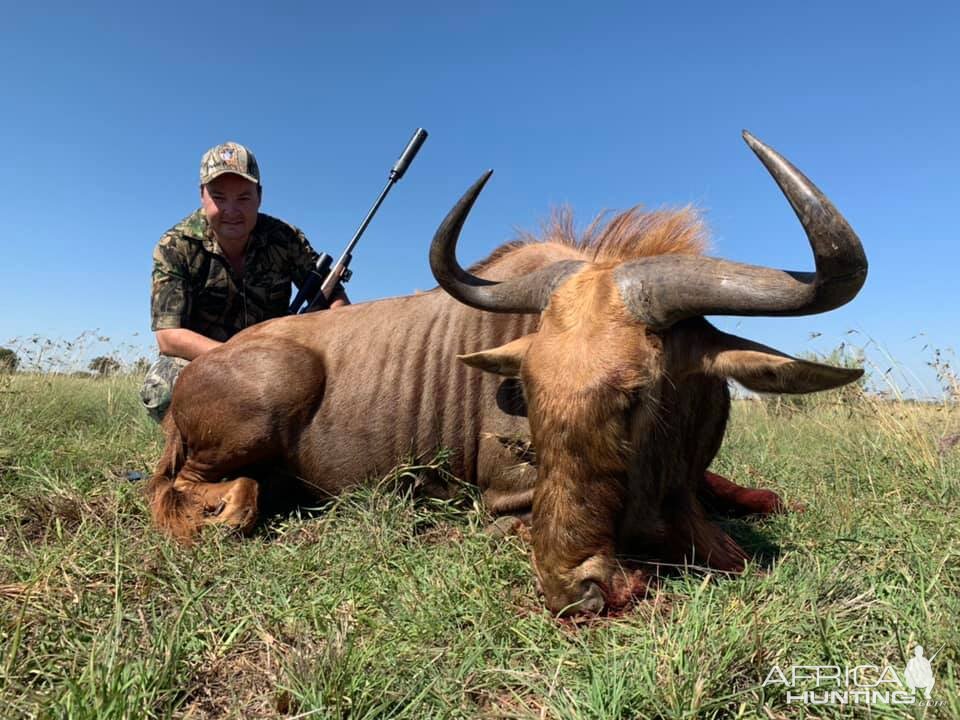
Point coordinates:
[(627, 235)]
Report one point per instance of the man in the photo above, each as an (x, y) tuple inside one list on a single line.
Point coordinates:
[(220, 270)]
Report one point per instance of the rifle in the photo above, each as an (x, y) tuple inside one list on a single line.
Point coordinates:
[(322, 282)]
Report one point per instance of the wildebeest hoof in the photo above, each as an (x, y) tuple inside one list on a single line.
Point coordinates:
[(240, 505), (233, 504), (216, 510)]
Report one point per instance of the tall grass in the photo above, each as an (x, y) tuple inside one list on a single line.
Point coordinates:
[(385, 605)]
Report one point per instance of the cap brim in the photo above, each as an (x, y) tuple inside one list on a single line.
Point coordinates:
[(214, 176)]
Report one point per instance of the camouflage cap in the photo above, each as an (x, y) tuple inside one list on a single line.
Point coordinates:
[(229, 157)]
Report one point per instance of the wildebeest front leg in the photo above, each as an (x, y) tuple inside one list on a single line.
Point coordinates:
[(708, 544), (724, 496)]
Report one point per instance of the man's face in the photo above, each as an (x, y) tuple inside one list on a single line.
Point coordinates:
[(231, 203)]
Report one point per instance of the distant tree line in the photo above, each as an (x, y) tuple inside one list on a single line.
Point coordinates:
[(103, 365)]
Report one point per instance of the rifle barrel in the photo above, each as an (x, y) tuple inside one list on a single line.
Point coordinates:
[(396, 172)]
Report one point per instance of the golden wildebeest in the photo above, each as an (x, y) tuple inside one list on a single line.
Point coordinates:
[(624, 388)]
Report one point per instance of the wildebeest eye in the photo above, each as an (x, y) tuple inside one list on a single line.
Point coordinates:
[(510, 397)]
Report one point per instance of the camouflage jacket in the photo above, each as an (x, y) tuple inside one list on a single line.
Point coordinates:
[(195, 287)]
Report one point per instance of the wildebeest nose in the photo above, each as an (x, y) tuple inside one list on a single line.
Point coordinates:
[(591, 601)]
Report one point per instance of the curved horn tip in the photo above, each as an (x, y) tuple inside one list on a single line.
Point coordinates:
[(755, 144), (483, 179), (465, 203), (473, 192)]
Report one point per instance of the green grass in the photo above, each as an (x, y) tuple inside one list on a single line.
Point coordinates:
[(387, 606)]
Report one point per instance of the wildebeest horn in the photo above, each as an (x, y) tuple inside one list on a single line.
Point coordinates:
[(662, 290), (527, 294)]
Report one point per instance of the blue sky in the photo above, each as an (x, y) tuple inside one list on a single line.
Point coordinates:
[(108, 107)]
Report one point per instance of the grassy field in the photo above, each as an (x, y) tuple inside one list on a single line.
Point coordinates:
[(386, 606)]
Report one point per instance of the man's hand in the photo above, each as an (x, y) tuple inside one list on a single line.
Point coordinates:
[(339, 298), (183, 343)]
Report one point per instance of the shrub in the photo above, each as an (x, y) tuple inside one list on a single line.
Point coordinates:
[(141, 366), (9, 360), (104, 365)]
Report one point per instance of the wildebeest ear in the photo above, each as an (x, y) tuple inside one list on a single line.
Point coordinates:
[(763, 369), (504, 360)]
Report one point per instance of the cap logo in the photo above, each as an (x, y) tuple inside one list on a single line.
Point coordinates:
[(228, 157)]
